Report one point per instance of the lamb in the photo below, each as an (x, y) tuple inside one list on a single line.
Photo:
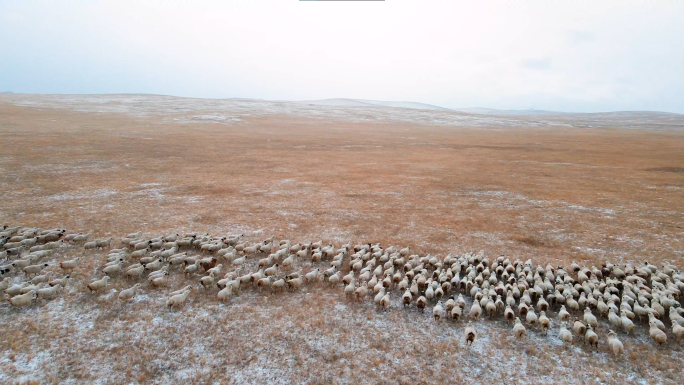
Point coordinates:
[(99, 284), (518, 329), (590, 337), (656, 334), (128, 294), (614, 343), (470, 333), (23, 299)]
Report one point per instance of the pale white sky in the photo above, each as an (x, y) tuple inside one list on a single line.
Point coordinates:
[(570, 56)]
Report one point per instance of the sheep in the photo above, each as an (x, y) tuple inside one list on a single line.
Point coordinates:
[(225, 293), (475, 310), (614, 343), (589, 318), (48, 292), (590, 337), (385, 301), (216, 270), (456, 313), (90, 245), (563, 314), (656, 334), (518, 328), (614, 319), (161, 280), (421, 303), (99, 284), (59, 281), (240, 261), (407, 298), (128, 294), (207, 281), (678, 331), (34, 269), (186, 288), (544, 323), (136, 271), (177, 298), (278, 285), (564, 334), (579, 328), (531, 317), (23, 299), (112, 270), (438, 311), (69, 265), (296, 283), (21, 263), (312, 275), (659, 323), (626, 323), (470, 333), (102, 243), (271, 270)]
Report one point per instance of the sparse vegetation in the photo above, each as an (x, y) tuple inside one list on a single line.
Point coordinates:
[(550, 195)]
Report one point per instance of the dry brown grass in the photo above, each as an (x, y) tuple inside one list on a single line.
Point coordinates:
[(552, 195)]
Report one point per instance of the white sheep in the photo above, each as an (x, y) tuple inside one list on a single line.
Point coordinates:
[(23, 299), (48, 292), (69, 265), (470, 333), (128, 294), (614, 343), (564, 334), (518, 328), (177, 298), (99, 284)]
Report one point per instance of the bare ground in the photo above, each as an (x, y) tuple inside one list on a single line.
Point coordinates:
[(552, 193)]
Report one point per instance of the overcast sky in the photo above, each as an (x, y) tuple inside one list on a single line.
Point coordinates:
[(575, 56)]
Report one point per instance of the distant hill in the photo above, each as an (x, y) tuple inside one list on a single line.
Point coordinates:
[(492, 111), (373, 103)]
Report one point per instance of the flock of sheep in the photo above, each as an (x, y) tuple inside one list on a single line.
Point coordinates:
[(520, 293)]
